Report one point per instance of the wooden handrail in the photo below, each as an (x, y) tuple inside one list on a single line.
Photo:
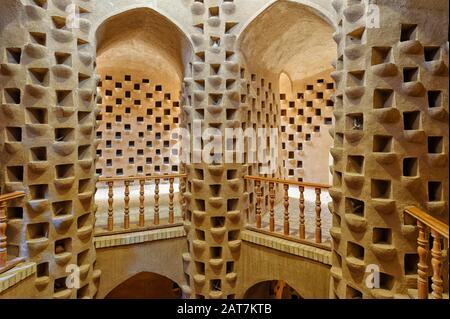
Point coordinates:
[(126, 181), (288, 182), (138, 178), (428, 220), (259, 180), (11, 196), (4, 199), (438, 229)]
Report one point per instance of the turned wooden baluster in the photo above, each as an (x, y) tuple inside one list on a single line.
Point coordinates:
[(171, 196), (110, 206), (318, 219), (436, 262), (272, 206), (142, 203), (182, 198), (279, 289), (302, 229), (156, 215), (286, 209), (126, 217), (422, 250), (258, 203), (3, 238)]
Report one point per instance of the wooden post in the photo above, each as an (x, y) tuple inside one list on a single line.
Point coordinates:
[(126, 217), (318, 219), (286, 209), (422, 250), (110, 206), (436, 262), (258, 203), (156, 215), (272, 206), (302, 229), (3, 238), (142, 203), (171, 196)]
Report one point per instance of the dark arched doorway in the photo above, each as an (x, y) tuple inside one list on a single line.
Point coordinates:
[(146, 285), (272, 289)]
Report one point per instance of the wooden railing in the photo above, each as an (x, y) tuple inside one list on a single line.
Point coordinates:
[(286, 184), (142, 223), (439, 232), (4, 200)]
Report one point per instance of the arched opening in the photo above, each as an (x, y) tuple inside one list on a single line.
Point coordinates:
[(146, 285), (272, 289), (142, 59), (296, 47), (287, 69), (285, 84)]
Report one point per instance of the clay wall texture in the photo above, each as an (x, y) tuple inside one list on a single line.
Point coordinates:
[(306, 118), (262, 101), (139, 112), (162, 257), (214, 191), (297, 272), (391, 141), (387, 113), (47, 132)]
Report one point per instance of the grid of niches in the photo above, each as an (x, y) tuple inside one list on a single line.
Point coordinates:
[(390, 149), (261, 95), (304, 116), (47, 133), (137, 134), (214, 191)]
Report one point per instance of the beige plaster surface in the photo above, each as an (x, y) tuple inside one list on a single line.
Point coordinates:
[(120, 263), (260, 264)]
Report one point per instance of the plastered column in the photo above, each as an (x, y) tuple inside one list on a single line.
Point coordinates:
[(47, 124), (215, 190), (390, 140)]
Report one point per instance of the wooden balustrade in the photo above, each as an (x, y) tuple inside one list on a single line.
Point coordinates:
[(156, 213), (141, 182), (272, 206), (183, 201), (171, 197), (141, 203), (110, 205), (126, 216), (302, 229), (4, 200), (260, 182), (258, 192), (286, 209), (427, 224)]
